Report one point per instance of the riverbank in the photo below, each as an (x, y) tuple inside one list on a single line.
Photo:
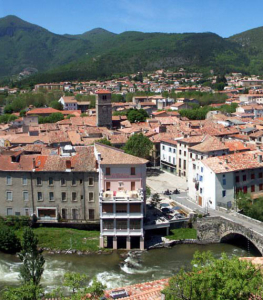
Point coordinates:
[(67, 240)]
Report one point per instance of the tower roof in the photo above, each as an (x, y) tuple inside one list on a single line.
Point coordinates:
[(103, 92)]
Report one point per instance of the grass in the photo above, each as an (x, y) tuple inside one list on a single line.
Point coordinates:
[(182, 234), (66, 239)]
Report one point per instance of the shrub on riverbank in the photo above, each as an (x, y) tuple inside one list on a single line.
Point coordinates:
[(182, 234), (8, 240), (66, 239)]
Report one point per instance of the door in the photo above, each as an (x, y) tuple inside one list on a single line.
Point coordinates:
[(133, 186), (64, 214), (91, 214), (107, 185), (200, 201), (74, 214)]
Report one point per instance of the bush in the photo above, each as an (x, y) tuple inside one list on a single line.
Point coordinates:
[(17, 221), (8, 240)]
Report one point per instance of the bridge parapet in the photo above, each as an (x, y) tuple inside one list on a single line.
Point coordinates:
[(214, 229)]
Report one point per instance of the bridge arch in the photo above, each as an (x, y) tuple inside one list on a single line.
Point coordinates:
[(232, 235)]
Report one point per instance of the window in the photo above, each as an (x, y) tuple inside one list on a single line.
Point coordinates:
[(169, 159), (237, 178), (174, 150), (24, 180), (91, 181), (74, 181), (261, 187), (191, 155), (260, 175), (180, 162), (201, 191), (64, 196), (245, 189), (39, 196), (224, 181), (170, 149), (80, 181), (201, 178), (91, 196), (74, 214), (51, 196), (252, 176), (252, 188), (39, 181), (244, 177), (74, 196), (108, 224), (163, 147), (174, 161), (121, 208), (64, 213), (9, 196), (202, 169), (132, 171), (50, 181), (107, 171), (25, 195), (184, 153), (9, 211), (91, 214), (194, 166), (223, 193), (180, 151), (8, 180), (184, 164), (17, 213), (63, 181), (27, 212), (201, 157)]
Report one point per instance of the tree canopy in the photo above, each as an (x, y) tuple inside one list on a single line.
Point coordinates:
[(138, 145), (137, 115), (216, 279)]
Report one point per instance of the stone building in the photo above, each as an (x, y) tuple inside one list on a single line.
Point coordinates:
[(56, 186), (103, 108)]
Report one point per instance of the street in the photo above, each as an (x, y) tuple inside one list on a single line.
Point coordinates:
[(161, 181)]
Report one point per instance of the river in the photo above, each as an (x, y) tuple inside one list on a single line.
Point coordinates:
[(110, 270)]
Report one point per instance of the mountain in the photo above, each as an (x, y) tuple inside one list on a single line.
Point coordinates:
[(25, 45), (251, 42), (99, 53)]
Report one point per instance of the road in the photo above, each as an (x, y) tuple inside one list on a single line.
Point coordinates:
[(163, 181)]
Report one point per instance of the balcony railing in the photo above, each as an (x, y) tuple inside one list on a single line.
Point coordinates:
[(122, 195)]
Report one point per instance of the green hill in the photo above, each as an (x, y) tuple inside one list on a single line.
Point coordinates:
[(25, 45), (99, 53)]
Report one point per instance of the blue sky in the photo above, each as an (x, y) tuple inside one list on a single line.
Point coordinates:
[(224, 17)]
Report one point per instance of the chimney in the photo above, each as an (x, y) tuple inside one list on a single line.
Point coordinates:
[(68, 164), (259, 158)]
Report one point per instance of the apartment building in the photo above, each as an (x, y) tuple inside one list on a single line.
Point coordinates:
[(168, 148), (122, 184), (219, 179), (56, 186)]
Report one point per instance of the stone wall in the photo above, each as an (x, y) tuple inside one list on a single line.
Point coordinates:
[(214, 229)]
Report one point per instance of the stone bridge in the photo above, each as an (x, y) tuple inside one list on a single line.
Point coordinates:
[(218, 229)]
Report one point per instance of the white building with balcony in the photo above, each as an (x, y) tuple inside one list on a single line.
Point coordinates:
[(122, 185)]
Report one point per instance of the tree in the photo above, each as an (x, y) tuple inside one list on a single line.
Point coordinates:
[(105, 142), (26, 291), (96, 289), (33, 261), (155, 200), (138, 145), (74, 281), (216, 279), (8, 240), (56, 105), (137, 115)]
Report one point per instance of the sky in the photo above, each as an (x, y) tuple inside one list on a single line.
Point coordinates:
[(224, 17)]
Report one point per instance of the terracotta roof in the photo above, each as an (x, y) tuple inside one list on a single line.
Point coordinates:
[(143, 291), (103, 92), (234, 162), (44, 110), (209, 144), (114, 156), (235, 146)]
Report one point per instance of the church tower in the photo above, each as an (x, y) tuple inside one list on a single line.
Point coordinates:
[(103, 108)]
